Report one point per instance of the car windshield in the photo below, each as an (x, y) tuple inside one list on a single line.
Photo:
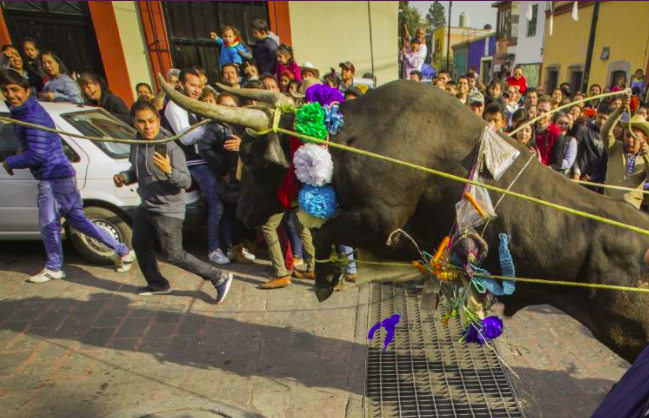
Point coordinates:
[(101, 124)]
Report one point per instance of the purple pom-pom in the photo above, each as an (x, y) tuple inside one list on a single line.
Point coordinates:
[(490, 328), (323, 94)]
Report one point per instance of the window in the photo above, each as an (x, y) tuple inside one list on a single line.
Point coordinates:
[(101, 124), (576, 76), (531, 24), (606, 52), (552, 80)]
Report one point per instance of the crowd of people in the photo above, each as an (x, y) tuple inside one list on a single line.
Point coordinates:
[(597, 141)]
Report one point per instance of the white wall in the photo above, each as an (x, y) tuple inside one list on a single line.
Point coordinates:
[(133, 43), (529, 49), (328, 33)]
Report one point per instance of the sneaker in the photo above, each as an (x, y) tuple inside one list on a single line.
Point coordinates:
[(297, 261), (217, 257), (223, 288), (240, 255), (150, 291), (247, 254), (47, 275), (124, 263)]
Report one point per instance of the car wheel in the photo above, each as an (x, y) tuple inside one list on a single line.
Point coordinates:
[(109, 221)]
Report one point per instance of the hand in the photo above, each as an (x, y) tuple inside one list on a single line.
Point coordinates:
[(163, 163), (8, 169), (226, 178), (214, 36), (586, 177), (644, 149), (119, 180), (48, 97), (626, 99), (575, 176), (20, 150), (232, 144)]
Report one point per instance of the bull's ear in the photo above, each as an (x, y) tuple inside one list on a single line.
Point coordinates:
[(275, 153)]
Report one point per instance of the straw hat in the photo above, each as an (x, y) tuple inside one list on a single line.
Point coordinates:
[(638, 122)]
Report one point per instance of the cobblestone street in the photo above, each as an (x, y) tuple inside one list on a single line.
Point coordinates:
[(89, 347)]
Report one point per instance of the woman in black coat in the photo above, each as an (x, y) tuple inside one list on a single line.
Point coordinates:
[(96, 92)]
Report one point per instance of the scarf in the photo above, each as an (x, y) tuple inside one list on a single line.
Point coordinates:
[(232, 44)]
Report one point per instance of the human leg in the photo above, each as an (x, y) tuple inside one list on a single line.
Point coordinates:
[(275, 253), (144, 234)]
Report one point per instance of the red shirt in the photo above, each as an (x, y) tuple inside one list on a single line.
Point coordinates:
[(545, 142), (521, 83)]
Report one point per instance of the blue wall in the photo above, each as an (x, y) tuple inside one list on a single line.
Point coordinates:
[(477, 51)]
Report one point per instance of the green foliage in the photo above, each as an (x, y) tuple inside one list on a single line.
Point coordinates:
[(410, 17), (436, 16)]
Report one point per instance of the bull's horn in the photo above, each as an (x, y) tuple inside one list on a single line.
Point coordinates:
[(251, 118), (297, 96), (271, 97)]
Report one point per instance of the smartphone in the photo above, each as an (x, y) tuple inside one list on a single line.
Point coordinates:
[(161, 149)]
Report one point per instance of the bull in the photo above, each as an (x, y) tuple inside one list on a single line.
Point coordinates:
[(426, 126)]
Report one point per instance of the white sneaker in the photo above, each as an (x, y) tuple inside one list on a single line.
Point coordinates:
[(217, 257), (247, 254), (124, 263), (47, 275)]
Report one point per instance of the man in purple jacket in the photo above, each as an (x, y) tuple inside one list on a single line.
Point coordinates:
[(58, 196)]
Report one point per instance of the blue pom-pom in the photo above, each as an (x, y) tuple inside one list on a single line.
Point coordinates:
[(319, 202), (490, 328)]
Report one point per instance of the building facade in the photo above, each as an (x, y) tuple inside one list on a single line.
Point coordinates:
[(620, 45), (476, 53), (129, 42), (458, 35), (507, 37), (531, 34)]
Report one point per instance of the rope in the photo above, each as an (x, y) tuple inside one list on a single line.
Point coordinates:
[(462, 180), (610, 186), (588, 99), (105, 139), (337, 260)]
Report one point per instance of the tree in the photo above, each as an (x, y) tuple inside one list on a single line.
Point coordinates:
[(410, 17), (436, 16)]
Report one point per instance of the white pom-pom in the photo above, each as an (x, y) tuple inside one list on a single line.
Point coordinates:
[(313, 165)]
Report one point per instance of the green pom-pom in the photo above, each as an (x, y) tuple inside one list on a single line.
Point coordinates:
[(310, 121)]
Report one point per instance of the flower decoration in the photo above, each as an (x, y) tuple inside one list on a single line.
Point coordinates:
[(486, 330), (323, 94), (313, 165), (333, 119), (309, 121), (319, 202)]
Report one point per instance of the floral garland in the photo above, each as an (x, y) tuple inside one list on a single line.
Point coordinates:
[(312, 163)]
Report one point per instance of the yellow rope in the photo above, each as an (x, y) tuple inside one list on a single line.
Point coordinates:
[(341, 260), (461, 179), (610, 186)]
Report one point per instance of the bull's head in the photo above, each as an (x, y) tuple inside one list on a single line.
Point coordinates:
[(265, 158)]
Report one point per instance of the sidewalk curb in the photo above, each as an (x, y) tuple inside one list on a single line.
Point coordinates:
[(182, 404)]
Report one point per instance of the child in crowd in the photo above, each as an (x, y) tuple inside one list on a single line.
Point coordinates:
[(265, 49), (284, 80), (33, 62), (286, 62), (233, 50)]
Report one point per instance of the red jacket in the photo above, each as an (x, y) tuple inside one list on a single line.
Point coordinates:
[(545, 142), (521, 83)]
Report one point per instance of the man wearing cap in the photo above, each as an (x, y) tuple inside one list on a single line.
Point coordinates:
[(627, 159), (476, 102), (347, 71), (308, 70)]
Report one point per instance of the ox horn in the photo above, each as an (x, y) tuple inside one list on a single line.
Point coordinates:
[(259, 95), (250, 118)]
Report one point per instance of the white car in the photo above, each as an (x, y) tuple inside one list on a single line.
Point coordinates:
[(95, 163)]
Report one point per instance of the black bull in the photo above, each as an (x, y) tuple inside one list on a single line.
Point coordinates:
[(426, 126)]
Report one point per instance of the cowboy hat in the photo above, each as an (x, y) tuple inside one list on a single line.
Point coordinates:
[(638, 122), (310, 67)]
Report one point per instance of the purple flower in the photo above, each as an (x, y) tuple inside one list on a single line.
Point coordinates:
[(323, 94), (488, 329)]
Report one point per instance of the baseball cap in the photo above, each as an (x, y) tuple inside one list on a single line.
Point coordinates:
[(348, 65), (475, 97)]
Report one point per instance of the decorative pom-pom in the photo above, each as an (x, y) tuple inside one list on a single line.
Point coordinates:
[(323, 94), (488, 329), (318, 201), (333, 119), (309, 120), (313, 165)]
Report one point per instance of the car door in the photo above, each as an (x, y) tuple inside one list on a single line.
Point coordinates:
[(18, 211)]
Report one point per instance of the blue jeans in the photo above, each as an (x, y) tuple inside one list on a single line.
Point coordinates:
[(209, 184), (60, 198), (293, 236), (349, 252)]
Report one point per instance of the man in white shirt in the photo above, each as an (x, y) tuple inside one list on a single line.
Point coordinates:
[(179, 120)]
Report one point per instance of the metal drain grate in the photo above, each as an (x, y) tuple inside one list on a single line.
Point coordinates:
[(426, 371)]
